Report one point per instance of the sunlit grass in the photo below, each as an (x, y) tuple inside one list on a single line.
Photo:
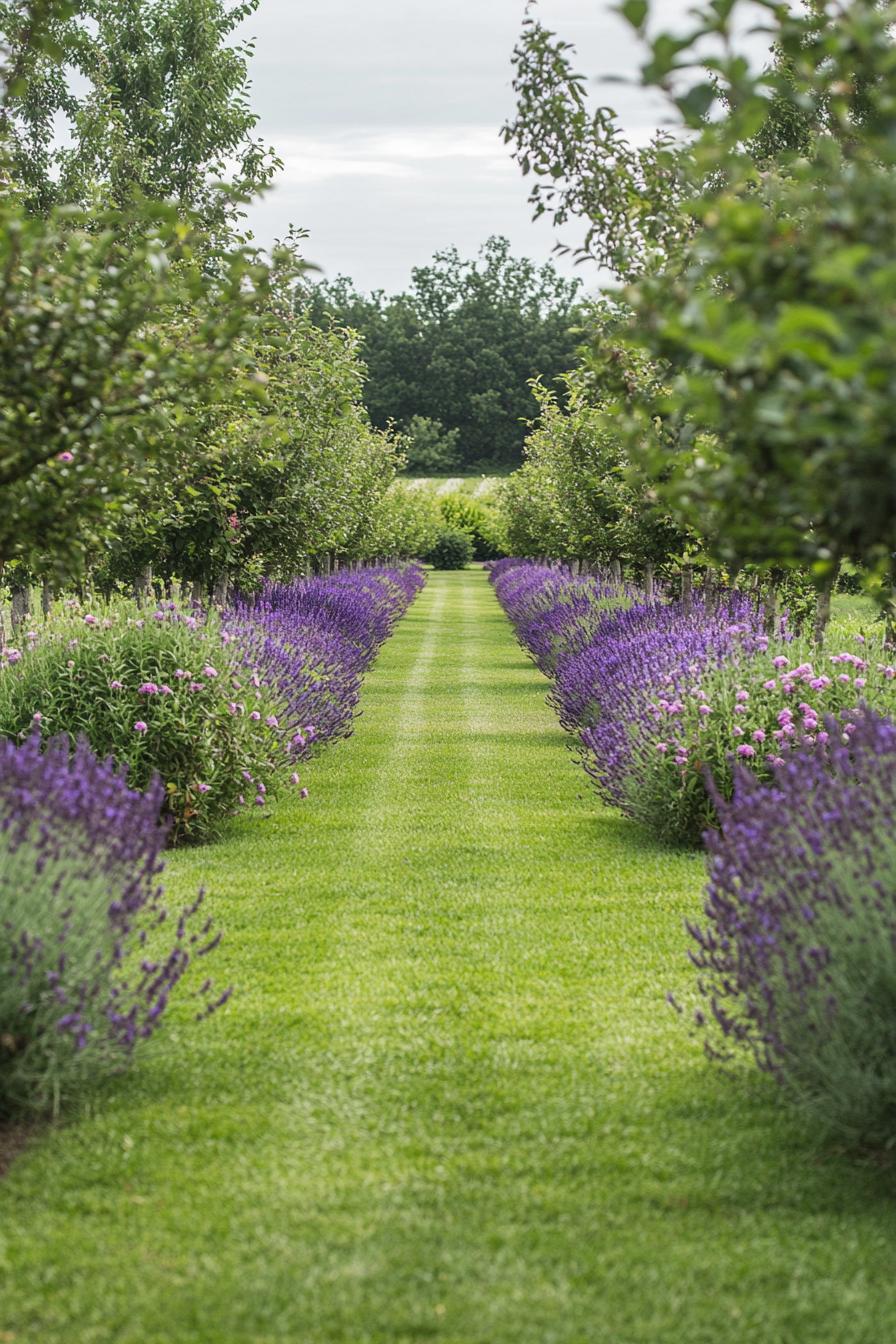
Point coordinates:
[(448, 1100), (478, 486)]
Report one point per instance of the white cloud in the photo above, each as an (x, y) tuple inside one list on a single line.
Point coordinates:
[(387, 117), (397, 153)]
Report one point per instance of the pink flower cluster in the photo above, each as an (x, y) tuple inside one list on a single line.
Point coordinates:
[(773, 728)]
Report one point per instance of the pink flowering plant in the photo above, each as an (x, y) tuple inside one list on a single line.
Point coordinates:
[(161, 691), (751, 710)]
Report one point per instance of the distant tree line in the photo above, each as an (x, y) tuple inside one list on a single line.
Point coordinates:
[(451, 359)]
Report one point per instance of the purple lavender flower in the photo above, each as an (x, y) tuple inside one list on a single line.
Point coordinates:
[(80, 862), (796, 954), (311, 641), (623, 667)]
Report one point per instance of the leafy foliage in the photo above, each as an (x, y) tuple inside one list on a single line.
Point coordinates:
[(453, 549), (583, 166), (117, 98), (576, 494), (764, 307), (429, 447), (122, 300), (163, 404), (405, 522), (480, 518), (461, 345), (109, 349), (277, 474)]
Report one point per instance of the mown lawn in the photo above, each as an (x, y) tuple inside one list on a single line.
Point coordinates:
[(448, 1101)]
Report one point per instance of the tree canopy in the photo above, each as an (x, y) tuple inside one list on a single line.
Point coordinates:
[(119, 97), (755, 255), (461, 345), (164, 400)]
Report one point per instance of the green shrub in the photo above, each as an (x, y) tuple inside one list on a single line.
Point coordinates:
[(852, 581), (405, 520), (429, 447), (160, 692), (484, 524), (453, 550)]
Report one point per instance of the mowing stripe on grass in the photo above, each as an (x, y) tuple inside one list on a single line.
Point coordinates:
[(447, 1101)]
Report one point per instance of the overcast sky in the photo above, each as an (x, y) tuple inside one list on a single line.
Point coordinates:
[(387, 115)]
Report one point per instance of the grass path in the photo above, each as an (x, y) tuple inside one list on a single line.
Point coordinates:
[(447, 1102)]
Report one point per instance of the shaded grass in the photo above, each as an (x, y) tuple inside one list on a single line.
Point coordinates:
[(448, 1101), (14, 1138), (852, 612)]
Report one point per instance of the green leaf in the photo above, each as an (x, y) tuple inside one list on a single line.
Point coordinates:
[(696, 103), (634, 12), (798, 318)]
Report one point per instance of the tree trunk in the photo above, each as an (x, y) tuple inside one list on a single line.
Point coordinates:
[(770, 603), (196, 594), (823, 606), (649, 581), (889, 623), (143, 585), (46, 598), (21, 606), (711, 591), (221, 589), (616, 571), (687, 589)]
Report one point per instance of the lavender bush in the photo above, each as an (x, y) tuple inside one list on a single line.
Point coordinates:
[(554, 612), (221, 706), (797, 954), (88, 961), (752, 708), (614, 659), (312, 640), (659, 696), (637, 659), (166, 694)]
